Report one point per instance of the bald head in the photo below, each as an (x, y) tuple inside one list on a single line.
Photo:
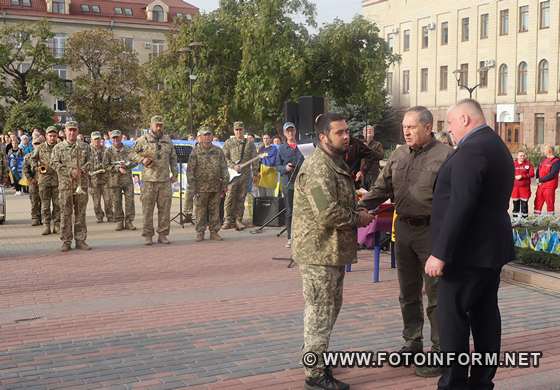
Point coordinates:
[(463, 117)]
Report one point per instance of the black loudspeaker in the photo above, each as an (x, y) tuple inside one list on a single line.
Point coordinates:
[(309, 107), (290, 112), (267, 207)]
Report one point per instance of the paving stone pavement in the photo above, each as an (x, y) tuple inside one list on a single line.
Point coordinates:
[(209, 315)]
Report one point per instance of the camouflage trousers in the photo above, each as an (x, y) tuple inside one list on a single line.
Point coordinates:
[(322, 293), (35, 200), (234, 205), (207, 207), (98, 192), (73, 216), (49, 195), (189, 202), (126, 191), (156, 193)]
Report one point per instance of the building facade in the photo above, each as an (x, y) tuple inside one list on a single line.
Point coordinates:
[(141, 24), (506, 51)]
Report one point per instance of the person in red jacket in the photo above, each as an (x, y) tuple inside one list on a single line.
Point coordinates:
[(521, 193), (547, 176)]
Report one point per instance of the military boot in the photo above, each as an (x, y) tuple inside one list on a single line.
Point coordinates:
[(214, 236), (200, 236), (239, 226), (325, 382), (428, 372), (56, 228), (66, 246), (148, 241), (163, 239), (46, 229), (35, 222), (119, 226), (129, 226), (82, 245), (228, 225)]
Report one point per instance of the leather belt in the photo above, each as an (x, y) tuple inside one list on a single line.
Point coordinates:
[(421, 220)]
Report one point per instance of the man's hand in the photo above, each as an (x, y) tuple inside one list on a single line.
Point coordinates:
[(364, 218), (237, 168), (289, 167), (359, 176), (256, 179), (434, 266), (173, 179), (146, 161), (518, 177), (122, 170), (74, 173)]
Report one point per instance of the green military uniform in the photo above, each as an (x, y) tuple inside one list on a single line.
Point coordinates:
[(408, 179), (121, 184), (156, 178), (65, 157), (324, 240), (99, 178), (372, 168), (3, 166), (47, 180), (189, 198), (208, 176), (30, 172), (238, 152)]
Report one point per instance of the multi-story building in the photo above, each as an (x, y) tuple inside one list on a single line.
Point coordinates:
[(508, 48), (141, 24)]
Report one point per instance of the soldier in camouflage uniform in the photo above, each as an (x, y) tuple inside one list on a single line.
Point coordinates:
[(48, 182), (30, 172), (324, 241), (117, 160), (408, 179), (156, 152), (4, 178), (208, 177), (99, 179), (72, 160), (371, 166), (237, 151)]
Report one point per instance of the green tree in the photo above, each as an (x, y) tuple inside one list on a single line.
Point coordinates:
[(27, 115), (106, 93), (26, 62)]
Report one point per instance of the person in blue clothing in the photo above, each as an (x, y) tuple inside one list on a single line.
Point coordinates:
[(15, 163), (267, 186), (288, 162), (25, 146)]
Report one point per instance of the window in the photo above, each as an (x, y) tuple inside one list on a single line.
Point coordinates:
[(157, 13), (128, 43), (21, 3), (424, 79), (557, 137), (464, 75), (84, 8), (14, 2), (59, 105), (539, 129), (23, 67), (543, 77), (389, 86), (444, 33), (483, 71), (26, 3), (157, 48), (95, 9), (443, 78), (522, 78), (465, 29), (544, 14), (405, 82), (391, 42), (440, 125), (58, 7), (502, 79), (425, 33), (60, 71), (504, 22), (483, 26), (406, 40), (524, 18), (118, 11), (58, 44), (128, 11)]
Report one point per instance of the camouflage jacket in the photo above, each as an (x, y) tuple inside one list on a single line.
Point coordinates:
[(207, 170), (408, 179), (42, 157), (232, 150), (3, 166), (162, 153), (112, 157), (325, 217), (98, 163), (29, 168), (65, 157)]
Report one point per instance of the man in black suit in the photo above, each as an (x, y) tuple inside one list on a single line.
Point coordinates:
[(472, 240)]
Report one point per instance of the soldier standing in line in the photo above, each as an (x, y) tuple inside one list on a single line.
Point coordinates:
[(99, 179), (324, 232), (30, 172), (371, 166), (117, 160), (156, 152), (72, 160), (208, 177), (237, 151), (48, 182), (189, 195)]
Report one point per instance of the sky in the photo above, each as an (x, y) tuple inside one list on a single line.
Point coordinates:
[(327, 10)]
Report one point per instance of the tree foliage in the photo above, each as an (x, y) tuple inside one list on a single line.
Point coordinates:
[(29, 114), (106, 92), (26, 62)]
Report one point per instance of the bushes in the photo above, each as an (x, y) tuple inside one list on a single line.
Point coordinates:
[(28, 115), (542, 260)]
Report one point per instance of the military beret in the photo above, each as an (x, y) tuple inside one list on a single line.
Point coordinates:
[(71, 125), (156, 119)]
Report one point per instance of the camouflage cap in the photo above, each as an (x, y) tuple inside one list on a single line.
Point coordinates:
[(115, 133), (71, 125), (238, 125), (204, 130), (95, 135), (52, 129), (37, 140), (156, 119)]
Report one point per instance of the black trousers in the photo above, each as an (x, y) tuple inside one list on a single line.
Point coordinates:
[(520, 206), (468, 302), (289, 198)]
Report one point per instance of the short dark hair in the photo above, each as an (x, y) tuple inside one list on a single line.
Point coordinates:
[(424, 115), (323, 122)]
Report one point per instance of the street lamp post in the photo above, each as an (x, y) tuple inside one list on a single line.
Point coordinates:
[(471, 90), (191, 50)]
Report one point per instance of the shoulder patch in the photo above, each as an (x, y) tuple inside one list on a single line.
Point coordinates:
[(319, 198)]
